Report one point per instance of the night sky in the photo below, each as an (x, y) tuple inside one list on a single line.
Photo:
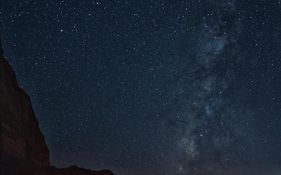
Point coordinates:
[(151, 87)]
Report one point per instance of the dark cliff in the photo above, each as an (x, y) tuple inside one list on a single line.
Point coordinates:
[(23, 149), (20, 136)]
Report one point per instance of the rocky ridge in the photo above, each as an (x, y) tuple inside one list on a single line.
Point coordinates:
[(23, 150)]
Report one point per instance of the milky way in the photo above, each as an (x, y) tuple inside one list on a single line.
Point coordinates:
[(207, 136), (203, 114)]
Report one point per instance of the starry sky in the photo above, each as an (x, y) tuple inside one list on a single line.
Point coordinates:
[(151, 87)]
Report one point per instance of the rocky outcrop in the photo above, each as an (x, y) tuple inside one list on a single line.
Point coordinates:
[(20, 136), (23, 149)]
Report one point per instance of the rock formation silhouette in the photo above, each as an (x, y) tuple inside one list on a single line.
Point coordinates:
[(23, 150)]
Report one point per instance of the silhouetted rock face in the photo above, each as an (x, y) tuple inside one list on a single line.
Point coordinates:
[(23, 150), (21, 138)]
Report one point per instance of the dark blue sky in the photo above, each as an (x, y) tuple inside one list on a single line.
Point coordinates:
[(151, 87)]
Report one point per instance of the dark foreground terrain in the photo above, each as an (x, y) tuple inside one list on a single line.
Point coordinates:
[(23, 150)]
